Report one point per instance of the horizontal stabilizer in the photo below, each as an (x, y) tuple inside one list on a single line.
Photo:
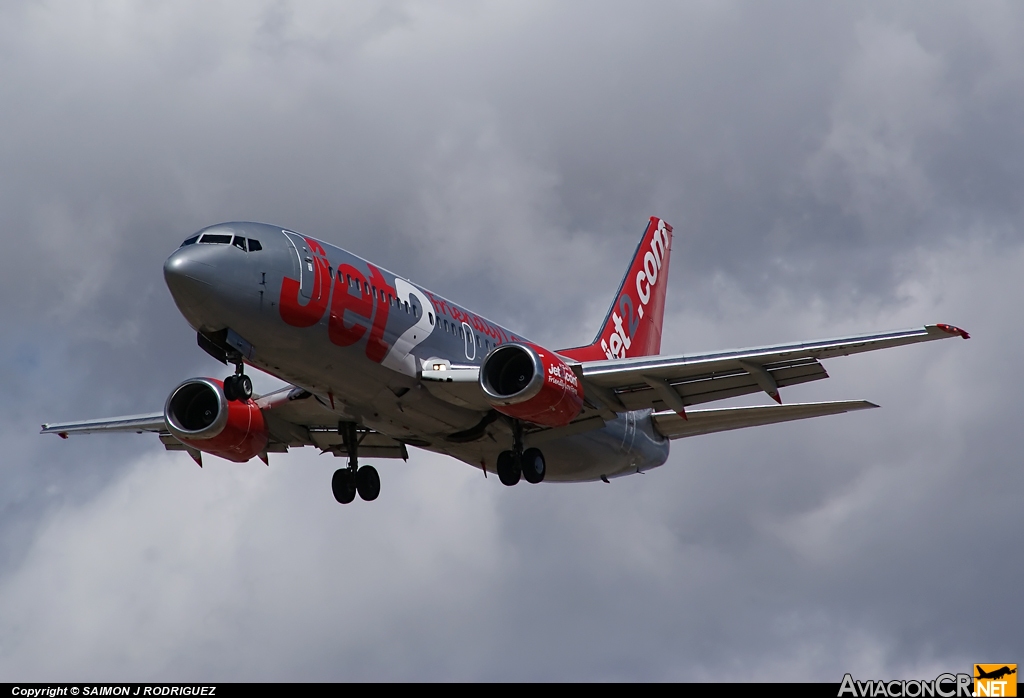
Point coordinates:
[(698, 422)]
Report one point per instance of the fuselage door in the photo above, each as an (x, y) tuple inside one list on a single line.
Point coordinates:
[(470, 341), (304, 261)]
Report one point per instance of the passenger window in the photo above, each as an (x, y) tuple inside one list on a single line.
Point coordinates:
[(254, 245), (239, 242), (431, 316), (216, 239), (366, 287), (190, 241), (461, 335), (405, 304)]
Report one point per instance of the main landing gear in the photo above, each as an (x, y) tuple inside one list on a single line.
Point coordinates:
[(347, 482), (528, 464), (239, 386)]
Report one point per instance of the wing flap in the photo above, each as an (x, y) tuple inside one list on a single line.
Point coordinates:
[(672, 426), (720, 386), (371, 444)]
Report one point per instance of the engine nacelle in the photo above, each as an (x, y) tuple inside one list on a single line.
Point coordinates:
[(199, 415), (531, 383)]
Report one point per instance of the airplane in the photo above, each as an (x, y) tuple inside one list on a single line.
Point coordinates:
[(376, 363), (995, 674)]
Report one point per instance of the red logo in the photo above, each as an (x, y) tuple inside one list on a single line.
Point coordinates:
[(353, 300), (625, 326)]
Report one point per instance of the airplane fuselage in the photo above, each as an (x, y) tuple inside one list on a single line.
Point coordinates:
[(357, 337)]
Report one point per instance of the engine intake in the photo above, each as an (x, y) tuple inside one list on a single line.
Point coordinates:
[(513, 373), (196, 409), (199, 415), (531, 383)]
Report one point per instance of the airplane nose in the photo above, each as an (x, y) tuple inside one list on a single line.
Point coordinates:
[(187, 277)]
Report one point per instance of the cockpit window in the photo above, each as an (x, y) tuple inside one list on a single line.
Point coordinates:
[(212, 239), (219, 239)]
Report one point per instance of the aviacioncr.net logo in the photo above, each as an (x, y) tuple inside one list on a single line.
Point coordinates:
[(942, 686)]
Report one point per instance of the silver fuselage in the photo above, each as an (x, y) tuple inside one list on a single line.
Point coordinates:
[(364, 354)]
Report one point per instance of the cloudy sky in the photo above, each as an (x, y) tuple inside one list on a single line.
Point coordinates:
[(828, 168)]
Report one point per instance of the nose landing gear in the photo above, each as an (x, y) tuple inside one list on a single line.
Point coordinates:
[(239, 386), (347, 482), (528, 464)]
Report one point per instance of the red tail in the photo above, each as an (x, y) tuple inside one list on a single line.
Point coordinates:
[(633, 325)]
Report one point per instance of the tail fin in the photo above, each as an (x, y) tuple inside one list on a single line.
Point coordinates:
[(633, 324)]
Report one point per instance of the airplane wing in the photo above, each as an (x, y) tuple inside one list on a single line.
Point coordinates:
[(675, 382), (697, 422), (293, 416), (138, 423)]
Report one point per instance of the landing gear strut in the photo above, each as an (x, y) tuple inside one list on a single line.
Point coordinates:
[(351, 480), (239, 386), (528, 464)]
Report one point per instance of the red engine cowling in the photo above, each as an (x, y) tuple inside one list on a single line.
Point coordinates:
[(199, 415), (531, 383)]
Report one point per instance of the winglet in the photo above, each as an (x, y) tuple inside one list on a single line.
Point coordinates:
[(952, 330)]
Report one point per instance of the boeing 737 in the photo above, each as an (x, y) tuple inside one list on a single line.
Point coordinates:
[(376, 364)]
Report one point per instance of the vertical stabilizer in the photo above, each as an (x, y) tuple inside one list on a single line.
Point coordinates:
[(633, 324)]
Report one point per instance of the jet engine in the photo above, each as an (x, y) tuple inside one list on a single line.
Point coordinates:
[(199, 415), (528, 382)]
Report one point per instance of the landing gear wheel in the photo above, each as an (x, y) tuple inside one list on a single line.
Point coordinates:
[(343, 486), (508, 469), (368, 483), (243, 388), (534, 467), (238, 387)]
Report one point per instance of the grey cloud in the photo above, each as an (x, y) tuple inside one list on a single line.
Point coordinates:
[(828, 169)]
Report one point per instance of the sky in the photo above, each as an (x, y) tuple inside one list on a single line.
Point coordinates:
[(828, 168)]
